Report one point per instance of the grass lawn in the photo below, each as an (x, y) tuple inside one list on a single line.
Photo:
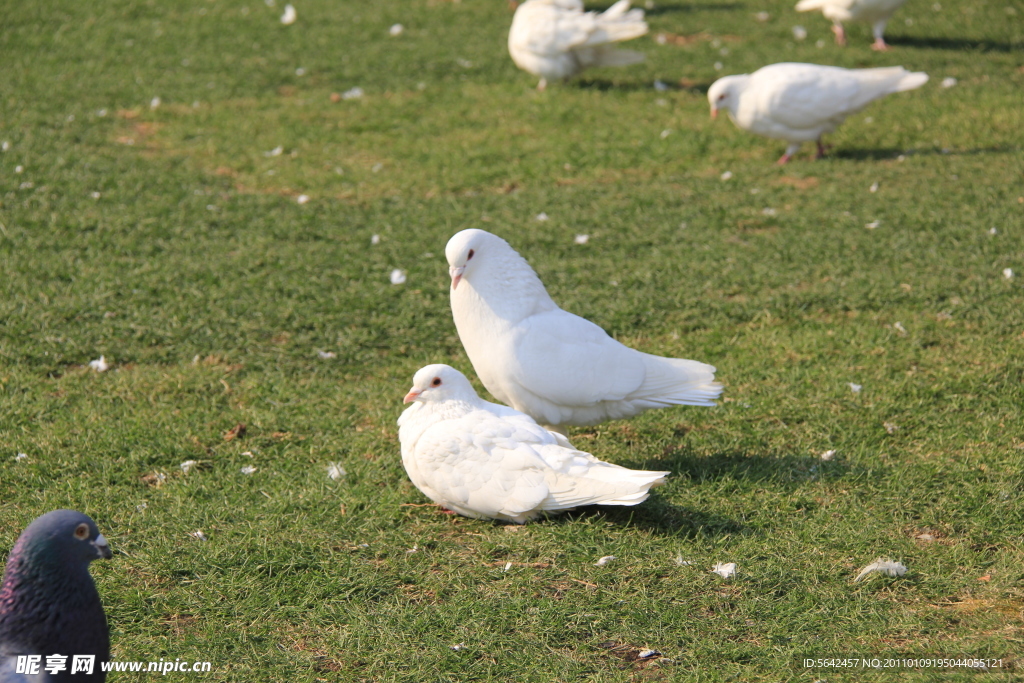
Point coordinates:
[(168, 237)]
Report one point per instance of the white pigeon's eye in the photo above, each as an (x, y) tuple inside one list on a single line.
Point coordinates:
[(471, 252), (721, 97), (436, 382), (82, 531)]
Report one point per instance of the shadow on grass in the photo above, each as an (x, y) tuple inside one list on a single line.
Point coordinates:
[(687, 8), (658, 515), (606, 85), (892, 153), (955, 44)]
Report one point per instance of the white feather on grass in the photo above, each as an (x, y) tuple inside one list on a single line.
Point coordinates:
[(882, 566)]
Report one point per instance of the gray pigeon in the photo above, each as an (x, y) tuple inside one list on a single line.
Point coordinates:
[(48, 601)]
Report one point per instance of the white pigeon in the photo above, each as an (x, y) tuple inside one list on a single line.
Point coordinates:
[(487, 461), (801, 102), (556, 367), (875, 12), (556, 39)]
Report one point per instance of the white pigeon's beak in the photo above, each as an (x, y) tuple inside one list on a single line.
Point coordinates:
[(456, 274), (411, 396), (714, 113), (102, 547)]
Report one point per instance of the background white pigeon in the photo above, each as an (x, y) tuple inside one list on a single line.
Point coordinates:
[(875, 12), (487, 461), (556, 39), (801, 102), (556, 367)]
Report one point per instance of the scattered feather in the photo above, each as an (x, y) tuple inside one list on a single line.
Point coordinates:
[(141, 506), (19, 169), (289, 16), (154, 103), (873, 188), (6, 145), (872, 225), (187, 466), (326, 355), (247, 454), (799, 32), (890, 428), (248, 469), (661, 39), (581, 239), (335, 471), (375, 239), (276, 152), (542, 216), (21, 456), (762, 16), (647, 654), (898, 326), (95, 195), (302, 198), (414, 549), (456, 648), (659, 86), (828, 455), (680, 562), (948, 82), (992, 231), (1008, 273), (352, 93), (464, 63), (855, 388), (397, 277), (718, 66), (882, 566), (725, 570), (300, 71), (396, 29), (199, 535), (508, 565), (377, 168), (665, 133), (819, 43), (605, 560), (727, 175), (925, 537), (99, 365), (769, 212)]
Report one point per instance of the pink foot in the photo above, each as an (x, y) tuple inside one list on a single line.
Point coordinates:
[(879, 45), (840, 34), (783, 160)]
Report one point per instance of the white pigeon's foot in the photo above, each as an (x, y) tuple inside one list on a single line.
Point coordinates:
[(840, 34), (879, 45), (821, 150), (542, 85), (784, 159), (513, 5)]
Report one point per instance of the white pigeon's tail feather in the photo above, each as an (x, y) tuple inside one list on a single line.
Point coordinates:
[(912, 81), (676, 381), (884, 81), (810, 5), (602, 484), (616, 24)]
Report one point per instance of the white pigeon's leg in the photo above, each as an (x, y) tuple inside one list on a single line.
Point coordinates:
[(790, 151), (837, 29), (821, 150), (878, 29), (542, 85)]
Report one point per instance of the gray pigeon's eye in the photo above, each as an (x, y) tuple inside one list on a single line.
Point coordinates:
[(436, 382), (82, 531), (471, 252)]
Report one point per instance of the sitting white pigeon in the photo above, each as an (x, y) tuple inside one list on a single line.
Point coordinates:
[(875, 12), (801, 102), (556, 39), (556, 367), (487, 461)]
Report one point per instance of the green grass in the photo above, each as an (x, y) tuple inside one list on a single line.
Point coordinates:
[(210, 289)]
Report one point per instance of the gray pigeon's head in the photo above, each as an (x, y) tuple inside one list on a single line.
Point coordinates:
[(440, 383), (64, 536), (724, 93), (467, 249)]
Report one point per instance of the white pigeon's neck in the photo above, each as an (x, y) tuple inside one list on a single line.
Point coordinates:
[(506, 289)]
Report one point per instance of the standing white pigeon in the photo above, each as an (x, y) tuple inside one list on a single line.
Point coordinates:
[(801, 102), (552, 365), (875, 12), (556, 39), (487, 461)]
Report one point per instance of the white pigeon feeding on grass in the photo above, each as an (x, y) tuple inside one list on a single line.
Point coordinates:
[(874, 12), (487, 461), (556, 39), (556, 367), (801, 102)]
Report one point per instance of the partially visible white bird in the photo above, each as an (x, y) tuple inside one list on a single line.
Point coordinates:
[(556, 39), (556, 367), (801, 102), (875, 12), (488, 461)]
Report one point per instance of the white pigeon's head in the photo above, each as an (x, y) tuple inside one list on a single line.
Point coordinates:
[(440, 383), (468, 248), (724, 94)]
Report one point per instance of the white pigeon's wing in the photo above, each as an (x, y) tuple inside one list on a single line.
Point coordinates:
[(541, 434), (802, 96), (546, 30), (570, 361), (485, 464)]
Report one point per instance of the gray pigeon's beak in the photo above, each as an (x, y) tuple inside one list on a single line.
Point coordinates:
[(413, 394), (456, 274), (102, 547)]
